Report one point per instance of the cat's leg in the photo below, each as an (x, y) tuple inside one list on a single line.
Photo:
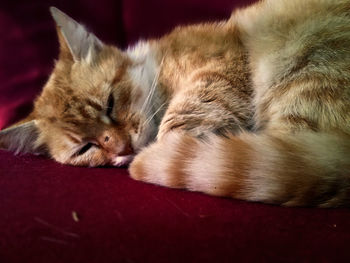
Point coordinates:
[(208, 105)]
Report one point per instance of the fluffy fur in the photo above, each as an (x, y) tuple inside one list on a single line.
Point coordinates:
[(255, 107)]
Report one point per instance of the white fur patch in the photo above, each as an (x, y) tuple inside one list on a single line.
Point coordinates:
[(144, 70), (122, 160), (144, 75), (105, 119)]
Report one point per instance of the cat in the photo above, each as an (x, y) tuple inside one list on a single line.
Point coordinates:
[(256, 107)]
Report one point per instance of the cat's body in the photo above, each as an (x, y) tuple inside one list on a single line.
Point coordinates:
[(256, 107)]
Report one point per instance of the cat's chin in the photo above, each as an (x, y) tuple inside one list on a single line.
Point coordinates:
[(122, 160)]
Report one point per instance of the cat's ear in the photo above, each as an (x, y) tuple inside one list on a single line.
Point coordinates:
[(22, 138), (82, 44)]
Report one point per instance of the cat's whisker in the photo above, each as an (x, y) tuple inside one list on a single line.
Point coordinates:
[(148, 100), (150, 94), (154, 114), (143, 125), (149, 97)]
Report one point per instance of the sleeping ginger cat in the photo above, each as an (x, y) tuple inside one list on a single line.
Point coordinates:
[(256, 107)]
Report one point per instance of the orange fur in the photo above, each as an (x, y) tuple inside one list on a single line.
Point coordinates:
[(256, 107)]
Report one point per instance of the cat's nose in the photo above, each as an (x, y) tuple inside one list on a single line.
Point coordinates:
[(115, 143), (108, 141)]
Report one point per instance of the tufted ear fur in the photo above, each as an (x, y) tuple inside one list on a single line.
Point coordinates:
[(21, 138), (82, 44)]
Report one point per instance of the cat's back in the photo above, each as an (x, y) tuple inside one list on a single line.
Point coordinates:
[(286, 36), (285, 16), (273, 25)]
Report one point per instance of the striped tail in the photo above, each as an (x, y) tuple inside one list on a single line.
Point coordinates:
[(302, 169)]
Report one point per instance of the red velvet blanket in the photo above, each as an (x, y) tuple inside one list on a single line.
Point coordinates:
[(55, 213)]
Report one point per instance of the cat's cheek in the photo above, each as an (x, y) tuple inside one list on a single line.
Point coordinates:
[(98, 158)]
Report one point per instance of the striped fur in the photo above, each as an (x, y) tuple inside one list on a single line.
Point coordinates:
[(304, 169)]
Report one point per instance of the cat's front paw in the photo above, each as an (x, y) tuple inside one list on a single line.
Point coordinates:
[(122, 160)]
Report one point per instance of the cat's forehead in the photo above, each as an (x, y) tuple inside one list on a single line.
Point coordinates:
[(86, 76), (74, 95), (87, 80), (70, 108), (80, 96)]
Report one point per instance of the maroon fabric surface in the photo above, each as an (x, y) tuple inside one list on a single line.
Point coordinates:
[(153, 18), (121, 220), (126, 221)]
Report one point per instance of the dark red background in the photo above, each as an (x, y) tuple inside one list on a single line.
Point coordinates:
[(121, 220)]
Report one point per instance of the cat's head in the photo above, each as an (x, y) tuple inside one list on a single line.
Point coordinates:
[(97, 106)]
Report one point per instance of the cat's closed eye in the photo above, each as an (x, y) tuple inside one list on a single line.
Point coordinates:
[(110, 105), (85, 149)]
